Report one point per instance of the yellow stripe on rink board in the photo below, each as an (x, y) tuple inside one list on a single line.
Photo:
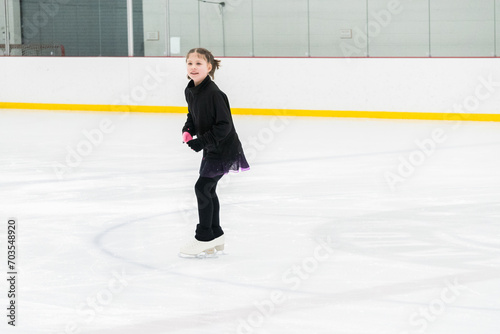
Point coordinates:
[(369, 114), (253, 111), (91, 107)]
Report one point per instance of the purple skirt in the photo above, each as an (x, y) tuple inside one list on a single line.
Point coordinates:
[(212, 168)]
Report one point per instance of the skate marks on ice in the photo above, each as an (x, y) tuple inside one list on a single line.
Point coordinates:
[(168, 268), (424, 248), (366, 240), (455, 236), (227, 319)]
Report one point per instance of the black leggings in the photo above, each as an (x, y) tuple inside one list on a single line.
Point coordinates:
[(208, 209)]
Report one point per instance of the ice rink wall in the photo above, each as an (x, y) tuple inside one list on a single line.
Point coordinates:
[(406, 88)]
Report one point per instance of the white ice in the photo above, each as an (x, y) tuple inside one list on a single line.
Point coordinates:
[(340, 226)]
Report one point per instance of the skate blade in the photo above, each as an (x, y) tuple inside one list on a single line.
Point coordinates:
[(219, 250), (208, 253)]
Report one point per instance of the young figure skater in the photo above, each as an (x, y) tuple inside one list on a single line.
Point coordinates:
[(209, 119)]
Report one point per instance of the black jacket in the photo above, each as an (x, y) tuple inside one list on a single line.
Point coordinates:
[(209, 118)]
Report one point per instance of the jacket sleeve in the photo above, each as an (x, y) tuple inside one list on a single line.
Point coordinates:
[(189, 125), (222, 120)]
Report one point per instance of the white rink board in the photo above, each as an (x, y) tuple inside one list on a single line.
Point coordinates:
[(403, 84)]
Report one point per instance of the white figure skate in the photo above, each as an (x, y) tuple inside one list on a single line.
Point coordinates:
[(196, 248), (201, 249), (219, 243)]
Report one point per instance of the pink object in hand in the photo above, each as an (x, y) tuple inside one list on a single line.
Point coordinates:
[(186, 136)]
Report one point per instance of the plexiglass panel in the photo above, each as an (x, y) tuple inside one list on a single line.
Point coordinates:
[(280, 28), (398, 28), (338, 28), (3, 28), (262, 28), (464, 28), (238, 21), (184, 26)]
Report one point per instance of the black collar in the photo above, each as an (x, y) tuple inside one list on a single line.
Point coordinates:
[(197, 89)]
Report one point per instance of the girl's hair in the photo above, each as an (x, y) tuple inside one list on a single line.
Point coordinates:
[(209, 57)]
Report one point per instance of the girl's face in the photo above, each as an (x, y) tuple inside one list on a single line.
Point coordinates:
[(197, 67)]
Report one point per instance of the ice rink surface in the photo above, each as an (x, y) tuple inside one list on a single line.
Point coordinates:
[(341, 226)]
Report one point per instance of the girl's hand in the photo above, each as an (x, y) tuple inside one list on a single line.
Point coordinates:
[(196, 145), (186, 136)]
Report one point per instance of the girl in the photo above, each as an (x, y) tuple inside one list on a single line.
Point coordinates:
[(209, 119)]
